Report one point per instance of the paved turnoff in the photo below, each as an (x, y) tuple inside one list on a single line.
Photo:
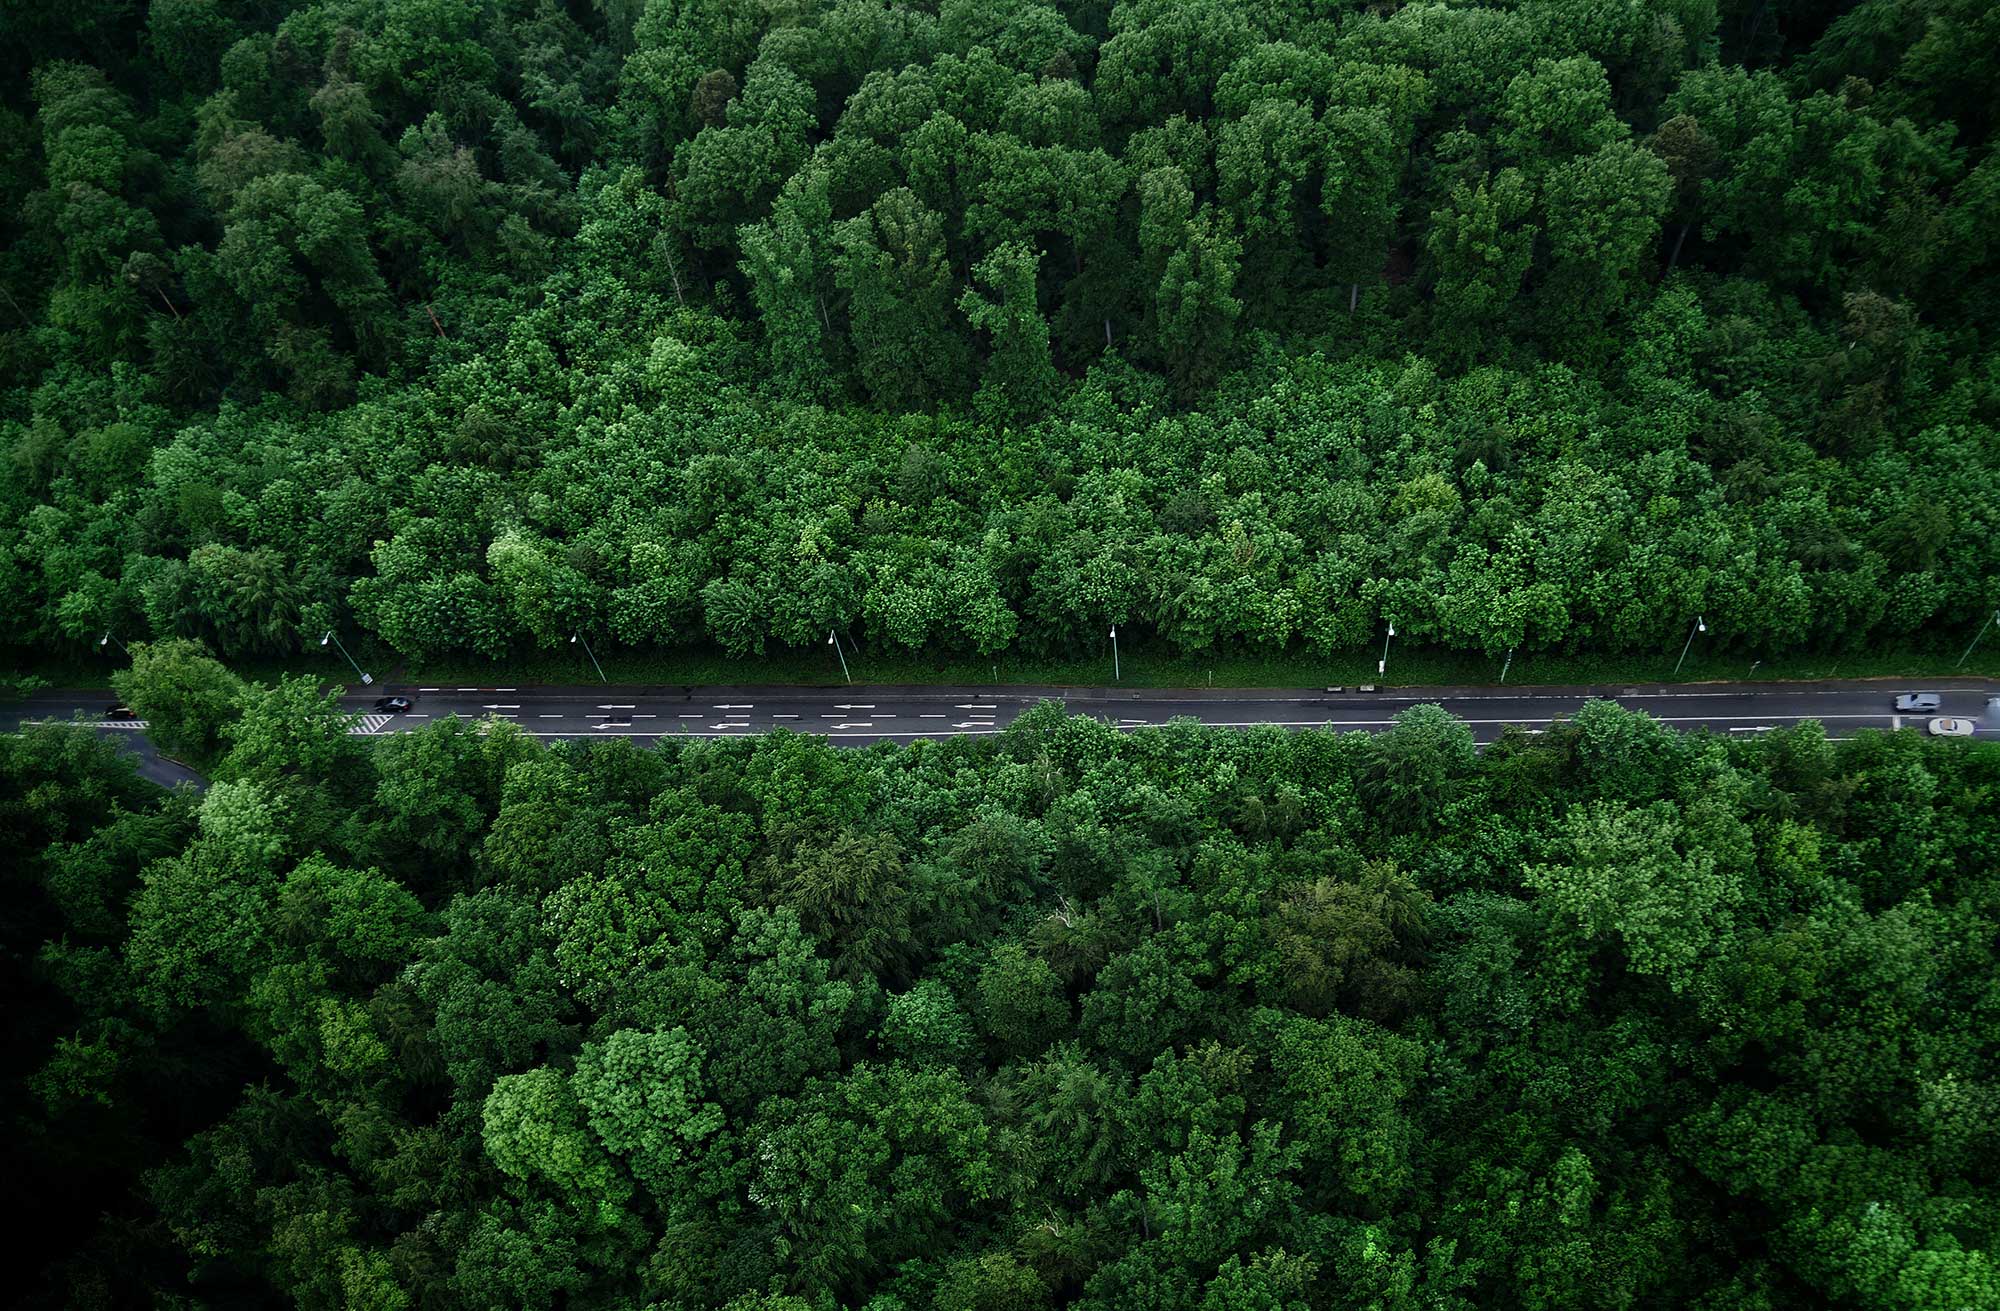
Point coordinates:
[(861, 715)]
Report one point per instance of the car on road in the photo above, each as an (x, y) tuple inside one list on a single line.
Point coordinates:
[(1918, 703), (1951, 728), (120, 712), (393, 705)]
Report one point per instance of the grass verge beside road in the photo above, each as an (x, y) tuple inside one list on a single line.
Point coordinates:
[(1140, 667)]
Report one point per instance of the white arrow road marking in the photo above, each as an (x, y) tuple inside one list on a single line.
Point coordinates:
[(842, 705), (618, 707), (970, 707), (974, 723), (730, 723), (502, 706), (1751, 728), (847, 724), (747, 705)]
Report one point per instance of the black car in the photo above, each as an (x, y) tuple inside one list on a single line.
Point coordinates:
[(120, 712), (393, 705)]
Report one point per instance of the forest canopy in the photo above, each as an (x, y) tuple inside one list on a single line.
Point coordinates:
[(972, 326), (1606, 1017)]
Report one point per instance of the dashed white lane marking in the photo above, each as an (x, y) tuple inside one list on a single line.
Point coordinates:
[(930, 716), (414, 715), (506, 689), (468, 689), (617, 707), (548, 716), (735, 705), (777, 716), (1751, 728), (645, 716), (426, 689), (975, 707)]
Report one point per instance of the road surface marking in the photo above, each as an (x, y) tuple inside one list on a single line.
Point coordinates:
[(930, 716), (503, 705), (843, 705), (773, 716), (468, 689), (426, 689), (618, 707), (845, 724), (549, 716), (414, 715), (506, 689), (975, 707), (645, 716), (1751, 728), (745, 705)]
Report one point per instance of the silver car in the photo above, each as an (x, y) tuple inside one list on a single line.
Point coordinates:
[(1951, 728), (1918, 703)]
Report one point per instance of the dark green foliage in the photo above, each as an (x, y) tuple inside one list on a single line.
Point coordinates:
[(1055, 1019)]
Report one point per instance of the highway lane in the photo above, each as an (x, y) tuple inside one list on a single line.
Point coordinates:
[(865, 714), (862, 715)]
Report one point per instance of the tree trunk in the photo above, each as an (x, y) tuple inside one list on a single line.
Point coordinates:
[(1674, 258)]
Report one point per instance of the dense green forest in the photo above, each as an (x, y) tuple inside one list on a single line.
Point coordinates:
[(974, 325), (1609, 1017)]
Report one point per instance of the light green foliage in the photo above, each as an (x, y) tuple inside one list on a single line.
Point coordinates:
[(186, 697)]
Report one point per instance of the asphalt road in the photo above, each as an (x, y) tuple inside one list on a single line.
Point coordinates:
[(860, 715), (872, 714)]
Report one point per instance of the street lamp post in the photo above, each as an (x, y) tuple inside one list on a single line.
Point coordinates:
[(1382, 665), (121, 646), (575, 638), (834, 642), (1975, 639), (1117, 675), (1700, 626), (366, 678)]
